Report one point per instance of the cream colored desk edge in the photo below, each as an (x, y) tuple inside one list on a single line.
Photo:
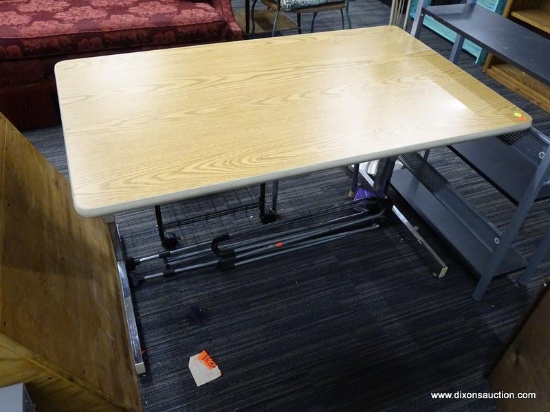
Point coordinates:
[(256, 180)]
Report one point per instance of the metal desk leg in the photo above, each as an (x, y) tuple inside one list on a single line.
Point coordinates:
[(383, 176), (354, 181), (169, 240), (127, 298), (270, 215), (381, 185)]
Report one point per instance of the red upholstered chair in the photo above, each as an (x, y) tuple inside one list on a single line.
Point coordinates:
[(36, 34)]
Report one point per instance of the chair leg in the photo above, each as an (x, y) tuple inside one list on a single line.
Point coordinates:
[(299, 21), (252, 16), (313, 21), (407, 13), (342, 16), (276, 19), (348, 16)]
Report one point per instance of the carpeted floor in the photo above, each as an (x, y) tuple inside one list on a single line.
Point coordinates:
[(356, 325)]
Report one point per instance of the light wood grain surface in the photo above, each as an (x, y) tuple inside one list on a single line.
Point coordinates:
[(62, 325), (159, 126)]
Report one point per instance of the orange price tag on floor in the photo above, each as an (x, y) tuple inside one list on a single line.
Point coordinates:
[(205, 358), (203, 368)]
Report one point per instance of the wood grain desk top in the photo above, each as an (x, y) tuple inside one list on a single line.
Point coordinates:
[(159, 126)]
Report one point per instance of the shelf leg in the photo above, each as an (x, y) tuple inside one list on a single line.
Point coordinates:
[(527, 200)]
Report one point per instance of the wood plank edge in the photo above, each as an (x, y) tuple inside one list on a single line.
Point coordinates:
[(50, 368)]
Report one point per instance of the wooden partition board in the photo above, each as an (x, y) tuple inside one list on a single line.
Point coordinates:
[(525, 363), (49, 391), (62, 325)]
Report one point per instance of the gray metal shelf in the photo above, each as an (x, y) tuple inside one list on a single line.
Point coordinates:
[(508, 162), (518, 165), (450, 215), (509, 41)]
